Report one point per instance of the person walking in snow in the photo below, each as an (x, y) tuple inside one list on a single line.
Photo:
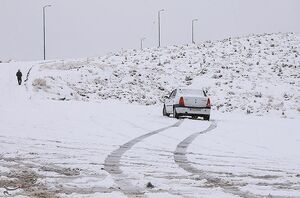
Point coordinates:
[(19, 77)]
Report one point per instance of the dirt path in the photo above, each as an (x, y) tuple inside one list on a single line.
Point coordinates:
[(112, 163)]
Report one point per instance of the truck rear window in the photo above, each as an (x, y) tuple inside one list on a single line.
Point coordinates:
[(192, 92)]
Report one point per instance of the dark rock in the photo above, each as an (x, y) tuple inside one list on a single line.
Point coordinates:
[(149, 185)]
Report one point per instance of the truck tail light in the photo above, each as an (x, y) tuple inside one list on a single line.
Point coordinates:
[(181, 102), (208, 103)]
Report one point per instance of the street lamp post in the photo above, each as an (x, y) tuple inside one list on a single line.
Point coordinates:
[(159, 26), (44, 29), (142, 39), (194, 20)]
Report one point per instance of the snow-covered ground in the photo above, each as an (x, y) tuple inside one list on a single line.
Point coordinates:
[(60, 138)]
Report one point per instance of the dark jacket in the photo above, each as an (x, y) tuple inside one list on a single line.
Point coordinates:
[(19, 74)]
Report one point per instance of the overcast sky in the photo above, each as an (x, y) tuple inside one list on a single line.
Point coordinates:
[(86, 28)]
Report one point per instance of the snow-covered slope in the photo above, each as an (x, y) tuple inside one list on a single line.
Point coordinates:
[(258, 74)]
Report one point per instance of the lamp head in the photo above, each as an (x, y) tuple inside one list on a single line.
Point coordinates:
[(46, 6)]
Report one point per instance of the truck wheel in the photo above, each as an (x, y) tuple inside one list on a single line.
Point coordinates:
[(206, 117), (165, 112), (175, 114)]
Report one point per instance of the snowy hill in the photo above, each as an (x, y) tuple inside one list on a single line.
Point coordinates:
[(258, 73), (63, 146)]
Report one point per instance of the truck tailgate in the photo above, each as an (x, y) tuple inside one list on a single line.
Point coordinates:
[(194, 101)]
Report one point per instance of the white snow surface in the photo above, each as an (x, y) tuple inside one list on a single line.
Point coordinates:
[(94, 127)]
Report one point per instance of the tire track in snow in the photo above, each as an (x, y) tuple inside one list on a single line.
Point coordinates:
[(112, 163), (180, 158)]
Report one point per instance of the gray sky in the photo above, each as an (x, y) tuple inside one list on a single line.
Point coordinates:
[(85, 28)]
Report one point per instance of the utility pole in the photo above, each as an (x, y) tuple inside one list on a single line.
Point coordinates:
[(159, 26), (44, 29), (194, 20), (142, 39)]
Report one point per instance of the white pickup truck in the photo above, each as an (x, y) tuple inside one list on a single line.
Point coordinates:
[(187, 102)]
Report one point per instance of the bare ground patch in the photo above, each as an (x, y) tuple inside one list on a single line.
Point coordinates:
[(26, 177)]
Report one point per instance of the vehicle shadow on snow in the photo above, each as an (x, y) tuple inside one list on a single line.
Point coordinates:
[(188, 118)]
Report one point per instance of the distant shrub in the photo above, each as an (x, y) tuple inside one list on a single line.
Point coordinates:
[(39, 83), (258, 95)]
